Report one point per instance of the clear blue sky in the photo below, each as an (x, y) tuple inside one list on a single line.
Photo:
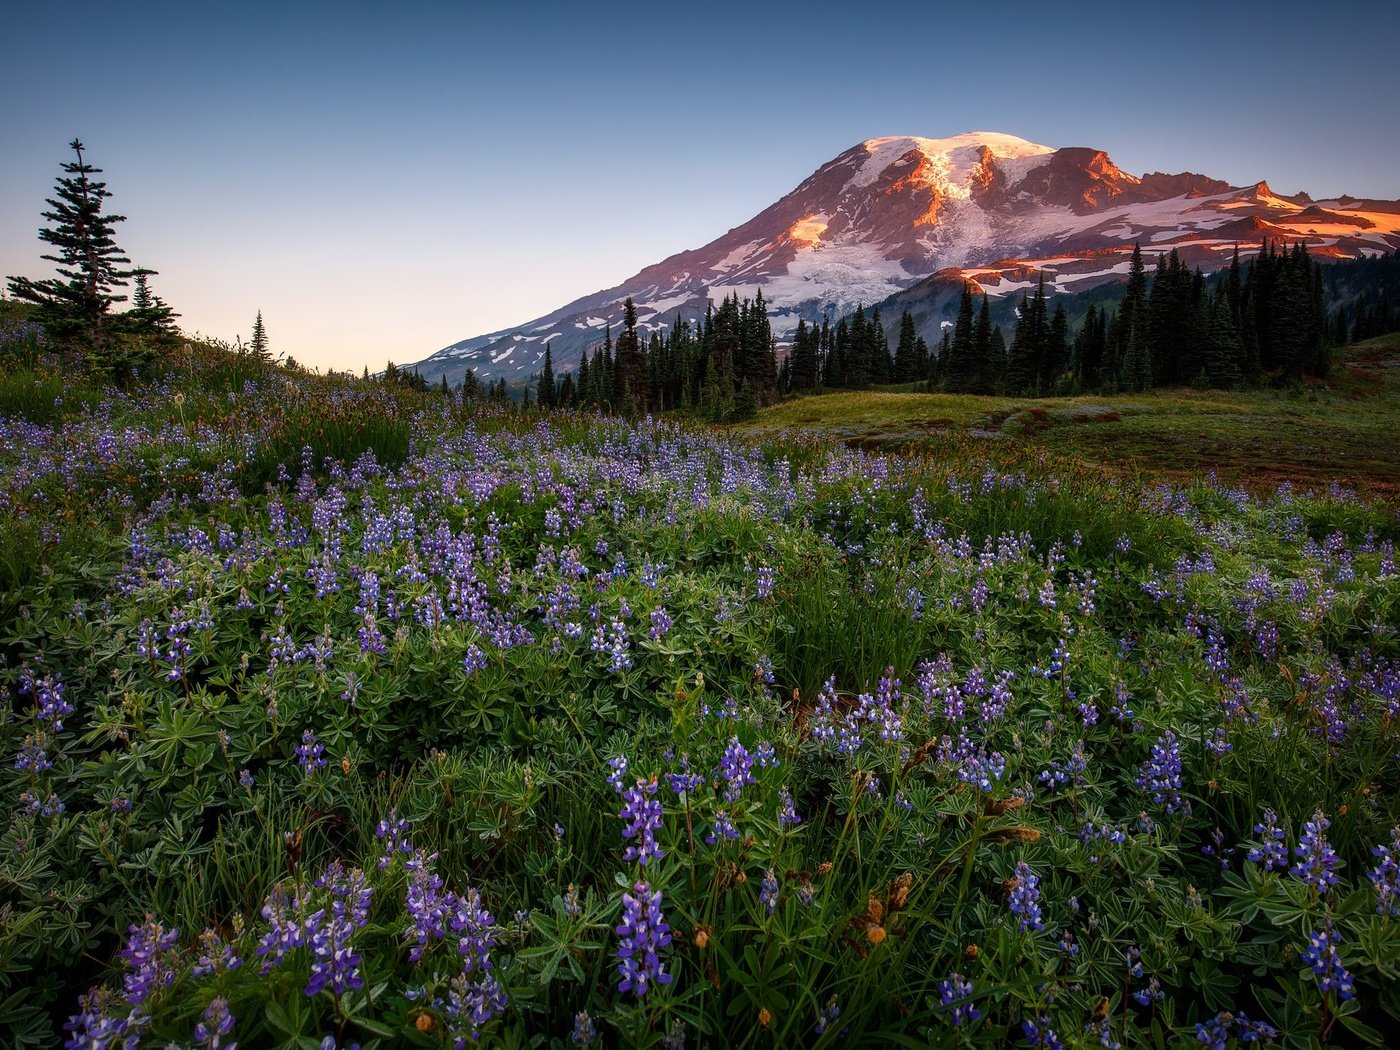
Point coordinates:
[(383, 182)]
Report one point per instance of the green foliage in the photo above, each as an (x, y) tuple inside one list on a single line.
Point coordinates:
[(1010, 637)]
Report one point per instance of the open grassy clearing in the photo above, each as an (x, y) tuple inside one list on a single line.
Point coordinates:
[(1343, 430)]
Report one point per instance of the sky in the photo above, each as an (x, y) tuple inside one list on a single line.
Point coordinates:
[(383, 182)]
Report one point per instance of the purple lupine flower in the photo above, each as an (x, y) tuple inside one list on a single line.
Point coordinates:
[(584, 1031), (47, 692), (765, 582), (216, 956), (1039, 1033), (311, 755), (675, 1038), (1321, 955), (641, 814), (334, 963), (787, 810), (685, 782), (1385, 876), (33, 757), (723, 828), (469, 1005), (427, 904), (217, 1023), (735, 769), (956, 992), (96, 1027), (1216, 1032), (643, 932), (1271, 852), (1151, 994), (1161, 774), (1102, 1029), (285, 929), (768, 891), (618, 766), (146, 955), (763, 670), (1317, 860), (1024, 899), (475, 660), (1216, 848), (476, 932), (661, 623), (394, 832), (983, 770), (826, 1016)]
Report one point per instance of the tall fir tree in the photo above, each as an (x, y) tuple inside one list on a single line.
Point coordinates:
[(150, 317), (584, 390), (1023, 363), (75, 307), (1136, 373), (906, 363), (1222, 345), (1134, 303), (961, 374), (545, 392), (986, 372), (258, 346)]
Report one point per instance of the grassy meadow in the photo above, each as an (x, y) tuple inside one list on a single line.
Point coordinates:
[(341, 715), (1338, 430)]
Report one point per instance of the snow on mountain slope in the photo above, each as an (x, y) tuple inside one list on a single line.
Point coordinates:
[(890, 212)]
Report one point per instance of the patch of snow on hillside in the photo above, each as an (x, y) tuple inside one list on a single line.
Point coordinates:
[(737, 256)]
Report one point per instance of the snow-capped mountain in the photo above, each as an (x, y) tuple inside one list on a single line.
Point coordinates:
[(982, 206)]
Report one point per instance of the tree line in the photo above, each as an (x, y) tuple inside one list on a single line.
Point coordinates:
[(721, 369), (1177, 328)]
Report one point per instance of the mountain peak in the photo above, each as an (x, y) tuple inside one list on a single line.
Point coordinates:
[(990, 207), (1000, 144)]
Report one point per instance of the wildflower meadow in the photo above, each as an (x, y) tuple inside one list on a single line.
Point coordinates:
[(340, 715)]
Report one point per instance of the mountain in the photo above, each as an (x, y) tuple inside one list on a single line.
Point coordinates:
[(893, 213)]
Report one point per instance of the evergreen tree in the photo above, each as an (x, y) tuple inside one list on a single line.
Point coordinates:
[(584, 390), (1023, 363), (1056, 348), (860, 363), (258, 347), (824, 351), (1134, 304), (881, 363), (1039, 334), (545, 392), (906, 363), (985, 370), (150, 318), (998, 357), (76, 309), (961, 374), (629, 385), (1222, 358), (803, 359), (1136, 373)]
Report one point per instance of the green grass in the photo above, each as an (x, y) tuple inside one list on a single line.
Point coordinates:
[(1341, 429)]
